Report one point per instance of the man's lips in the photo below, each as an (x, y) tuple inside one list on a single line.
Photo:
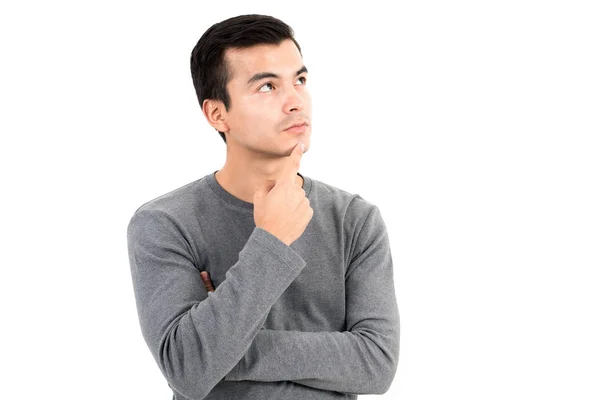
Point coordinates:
[(297, 124), (298, 128)]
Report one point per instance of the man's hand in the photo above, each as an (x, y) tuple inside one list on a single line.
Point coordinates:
[(207, 282), (281, 206)]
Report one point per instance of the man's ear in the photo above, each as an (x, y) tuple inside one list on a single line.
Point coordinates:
[(214, 112)]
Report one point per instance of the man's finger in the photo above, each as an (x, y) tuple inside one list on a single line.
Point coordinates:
[(292, 164), (207, 282)]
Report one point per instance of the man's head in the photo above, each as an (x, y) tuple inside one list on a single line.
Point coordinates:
[(250, 81)]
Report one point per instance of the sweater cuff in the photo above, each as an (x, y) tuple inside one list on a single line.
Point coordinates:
[(285, 252)]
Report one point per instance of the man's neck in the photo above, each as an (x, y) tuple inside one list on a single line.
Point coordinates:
[(242, 185)]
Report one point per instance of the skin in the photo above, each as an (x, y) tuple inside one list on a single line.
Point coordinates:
[(257, 142), (207, 282)]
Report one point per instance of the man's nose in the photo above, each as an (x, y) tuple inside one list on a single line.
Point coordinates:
[(293, 101)]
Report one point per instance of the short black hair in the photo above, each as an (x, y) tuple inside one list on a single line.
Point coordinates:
[(210, 72)]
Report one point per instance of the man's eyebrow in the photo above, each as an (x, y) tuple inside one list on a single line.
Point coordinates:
[(263, 75)]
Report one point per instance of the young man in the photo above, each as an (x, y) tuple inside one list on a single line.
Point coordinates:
[(255, 281)]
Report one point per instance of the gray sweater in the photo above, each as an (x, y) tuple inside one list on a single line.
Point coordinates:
[(314, 320)]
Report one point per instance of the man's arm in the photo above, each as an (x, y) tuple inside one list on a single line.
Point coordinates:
[(361, 360), (195, 336)]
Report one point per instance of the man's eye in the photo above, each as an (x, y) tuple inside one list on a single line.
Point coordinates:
[(270, 84)]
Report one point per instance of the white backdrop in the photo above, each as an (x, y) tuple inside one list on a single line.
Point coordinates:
[(474, 126)]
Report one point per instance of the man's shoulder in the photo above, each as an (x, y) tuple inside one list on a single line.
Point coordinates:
[(175, 203), (342, 201)]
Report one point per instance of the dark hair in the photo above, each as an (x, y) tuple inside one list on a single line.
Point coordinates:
[(210, 72)]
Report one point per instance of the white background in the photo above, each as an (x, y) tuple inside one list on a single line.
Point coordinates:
[(473, 125)]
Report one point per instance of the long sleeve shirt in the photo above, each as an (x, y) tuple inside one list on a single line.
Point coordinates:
[(314, 320)]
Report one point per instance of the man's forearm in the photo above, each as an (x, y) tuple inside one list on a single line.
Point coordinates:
[(361, 362), (176, 317)]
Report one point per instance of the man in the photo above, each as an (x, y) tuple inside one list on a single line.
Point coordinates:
[(255, 281)]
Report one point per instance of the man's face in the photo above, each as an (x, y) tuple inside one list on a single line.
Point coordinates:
[(261, 109)]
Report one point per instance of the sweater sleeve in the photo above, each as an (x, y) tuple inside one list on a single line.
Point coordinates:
[(361, 360), (196, 337)]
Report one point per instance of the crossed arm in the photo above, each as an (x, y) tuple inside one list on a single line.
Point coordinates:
[(194, 356)]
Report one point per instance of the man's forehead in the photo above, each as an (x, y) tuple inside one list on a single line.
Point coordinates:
[(279, 59)]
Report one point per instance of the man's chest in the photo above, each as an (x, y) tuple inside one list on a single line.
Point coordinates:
[(316, 299)]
